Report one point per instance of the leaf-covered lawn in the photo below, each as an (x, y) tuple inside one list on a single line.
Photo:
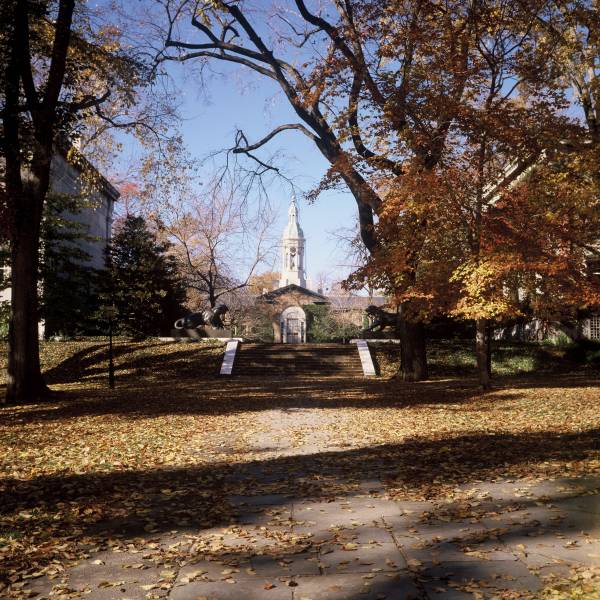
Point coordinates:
[(456, 358), (99, 468)]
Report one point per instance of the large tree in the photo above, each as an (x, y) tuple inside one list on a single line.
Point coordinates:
[(217, 243), (379, 87), (510, 212), (62, 65), (144, 283)]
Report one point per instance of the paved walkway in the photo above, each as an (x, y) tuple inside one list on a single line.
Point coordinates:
[(313, 529)]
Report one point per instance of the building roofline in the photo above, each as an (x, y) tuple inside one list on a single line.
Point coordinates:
[(81, 163), (292, 287)]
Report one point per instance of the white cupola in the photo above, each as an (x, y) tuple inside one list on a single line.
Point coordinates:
[(293, 250)]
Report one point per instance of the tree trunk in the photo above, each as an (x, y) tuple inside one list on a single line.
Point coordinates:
[(211, 298), (26, 183), (483, 352), (489, 346), (25, 381), (413, 351)]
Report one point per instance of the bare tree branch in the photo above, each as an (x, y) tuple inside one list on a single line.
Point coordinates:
[(240, 137), (220, 56), (87, 102)]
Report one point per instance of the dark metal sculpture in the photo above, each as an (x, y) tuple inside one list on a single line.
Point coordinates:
[(212, 317), (381, 318)]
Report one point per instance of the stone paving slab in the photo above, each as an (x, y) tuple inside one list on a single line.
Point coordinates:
[(344, 535), (244, 537), (108, 575), (287, 565), (345, 511), (516, 490), (450, 552), (264, 500), (363, 534), (493, 575), (440, 591), (490, 549), (590, 503), (241, 590), (93, 589), (548, 550), (127, 590), (359, 504), (399, 523), (437, 532), (389, 586), (553, 570), (365, 558), (413, 508), (530, 517), (271, 516), (234, 567), (316, 536)]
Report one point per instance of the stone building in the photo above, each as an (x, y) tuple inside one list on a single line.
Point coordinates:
[(95, 215), (93, 219), (286, 304), (590, 326), (293, 246)]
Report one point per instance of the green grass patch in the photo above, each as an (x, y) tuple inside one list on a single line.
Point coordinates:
[(456, 358)]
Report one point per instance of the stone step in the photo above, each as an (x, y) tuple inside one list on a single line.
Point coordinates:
[(315, 368), (260, 362), (286, 355), (267, 370), (305, 360), (305, 363), (281, 358), (286, 349), (299, 356), (293, 356), (296, 366), (316, 372)]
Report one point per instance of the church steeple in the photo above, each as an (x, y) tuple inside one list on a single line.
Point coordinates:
[(293, 246)]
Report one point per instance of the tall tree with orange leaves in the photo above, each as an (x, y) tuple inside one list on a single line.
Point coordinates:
[(454, 234), (386, 91)]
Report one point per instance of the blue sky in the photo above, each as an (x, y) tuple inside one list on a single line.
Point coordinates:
[(242, 100)]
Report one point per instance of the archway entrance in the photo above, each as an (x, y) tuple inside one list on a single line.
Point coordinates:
[(293, 325)]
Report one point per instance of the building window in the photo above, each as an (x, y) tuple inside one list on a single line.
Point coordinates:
[(594, 328)]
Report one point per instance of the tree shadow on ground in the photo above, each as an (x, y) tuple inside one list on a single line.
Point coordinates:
[(136, 360), (81, 363), (422, 466), (140, 394), (71, 513)]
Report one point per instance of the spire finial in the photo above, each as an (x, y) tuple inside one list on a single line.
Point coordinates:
[(293, 209)]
